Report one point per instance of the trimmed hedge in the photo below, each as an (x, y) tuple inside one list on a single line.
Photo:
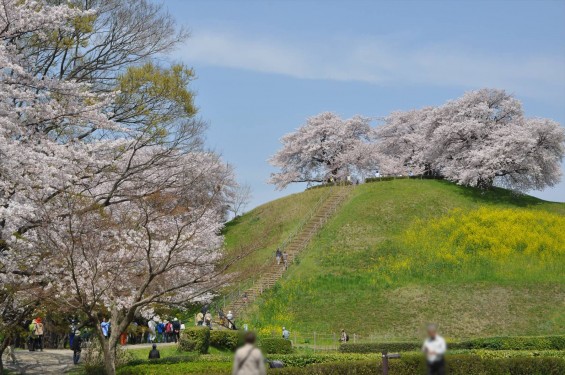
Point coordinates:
[(456, 365), (225, 340), (195, 339), (275, 345), (491, 343)]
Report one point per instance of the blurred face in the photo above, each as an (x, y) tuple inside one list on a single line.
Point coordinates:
[(432, 332)]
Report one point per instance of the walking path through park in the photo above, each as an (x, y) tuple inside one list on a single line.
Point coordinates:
[(293, 246), (52, 361)]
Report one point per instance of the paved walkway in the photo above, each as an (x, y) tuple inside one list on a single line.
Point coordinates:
[(51, 361)]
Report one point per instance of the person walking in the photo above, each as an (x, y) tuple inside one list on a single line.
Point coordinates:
[(151, 328), (248, 359), (31, 341), (76, 347), (168, 331), (278, 256), (154, 353), (199, 319), (160, 331), (344, 337), (285, 333), (10, 350), (208, 319), (434, 348), (285, 260), (105, 327), (176, 329), (230, 320), (38, 334)]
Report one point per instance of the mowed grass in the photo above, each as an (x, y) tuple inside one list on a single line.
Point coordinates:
[(386, 264)]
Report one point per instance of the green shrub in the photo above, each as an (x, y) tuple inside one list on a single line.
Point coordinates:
[(456, 365), (275, 345), (381, 347), (195, 339), (225, 340), (490, 343)]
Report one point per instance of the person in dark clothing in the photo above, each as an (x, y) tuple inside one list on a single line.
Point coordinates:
[(176, 329), (154, 353), (76, 347)]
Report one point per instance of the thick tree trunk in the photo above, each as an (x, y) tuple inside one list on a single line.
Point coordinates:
[(109, 356)]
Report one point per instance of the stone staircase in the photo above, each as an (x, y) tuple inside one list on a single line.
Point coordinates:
[(293, 246)]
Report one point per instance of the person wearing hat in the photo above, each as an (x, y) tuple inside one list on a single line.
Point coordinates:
[(285, 333), (76, 347), (154, 353)]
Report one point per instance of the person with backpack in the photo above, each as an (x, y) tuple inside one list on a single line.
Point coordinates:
[(38, 334), (344, 337), (76, 347), (160, 331), (248, 359), (168, 331)]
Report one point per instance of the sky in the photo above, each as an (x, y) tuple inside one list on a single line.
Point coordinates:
[(263, 67)]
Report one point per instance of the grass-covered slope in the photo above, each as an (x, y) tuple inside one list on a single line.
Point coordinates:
[(402, 253)]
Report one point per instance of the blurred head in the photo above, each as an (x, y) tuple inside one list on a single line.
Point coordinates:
[(432, 330), (154, 346), (284, 328), (250, 338), (77, 333)]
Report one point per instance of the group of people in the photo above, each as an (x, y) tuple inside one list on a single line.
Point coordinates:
[(36, 332), (204, 318), (164, 331), (281, 257)]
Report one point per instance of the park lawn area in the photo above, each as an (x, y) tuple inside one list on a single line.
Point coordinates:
[(368, 271)]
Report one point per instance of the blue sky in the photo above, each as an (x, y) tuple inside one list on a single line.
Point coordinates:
[(264, 66)]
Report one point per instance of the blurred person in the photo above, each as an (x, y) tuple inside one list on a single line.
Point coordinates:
[(285, 333), (278, 256), (434, 348), (151, 328), (38, 334), (105, 327), (176, 329), (199, 319), (248, 359), (208, 319), (10, 348), (160, 331), (154, 353), (230, 320), (285, 260), (76, 347), (344, 337)]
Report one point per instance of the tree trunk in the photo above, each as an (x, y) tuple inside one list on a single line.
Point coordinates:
[(109, 356), (3, 347)]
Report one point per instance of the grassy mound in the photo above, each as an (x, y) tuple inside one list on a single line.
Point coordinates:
[(402, 253)]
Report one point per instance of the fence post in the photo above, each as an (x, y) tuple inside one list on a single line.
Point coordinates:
[(314, 342)]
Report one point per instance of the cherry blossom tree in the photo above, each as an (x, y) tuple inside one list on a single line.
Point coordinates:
[(481, 139), (325, 147), (102, 172)]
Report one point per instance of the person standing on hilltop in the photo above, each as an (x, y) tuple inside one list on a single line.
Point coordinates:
[(434, 348)]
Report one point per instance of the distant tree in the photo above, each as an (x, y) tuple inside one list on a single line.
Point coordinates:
[(239, 198), (481, 139), (325, 147)]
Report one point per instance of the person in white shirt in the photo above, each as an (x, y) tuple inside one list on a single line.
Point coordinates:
[(285, 333), (248, 359), (434, 347), (230, 319)]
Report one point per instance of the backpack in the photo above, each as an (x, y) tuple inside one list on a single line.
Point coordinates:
[(169, 328)]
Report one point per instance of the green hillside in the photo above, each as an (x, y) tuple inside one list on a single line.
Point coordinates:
[(402, 253)]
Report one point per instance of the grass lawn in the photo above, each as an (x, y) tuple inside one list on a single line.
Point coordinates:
[(396, 256)]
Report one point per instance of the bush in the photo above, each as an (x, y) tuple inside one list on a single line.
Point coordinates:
[(381, 347), (456, 365), (195, 339), (275, 345), (515, 343), (225, 340), (490, 343)]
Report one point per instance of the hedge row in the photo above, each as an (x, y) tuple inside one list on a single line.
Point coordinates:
[(275, 345), (225, 340), (195, 339), (491, 343), (456, 365)]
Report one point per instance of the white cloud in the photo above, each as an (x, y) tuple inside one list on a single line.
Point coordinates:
[(380, 61)]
